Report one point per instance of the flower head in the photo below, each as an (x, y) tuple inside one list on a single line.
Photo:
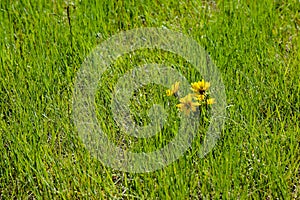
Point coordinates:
[(210, 101), (200, 87), (200, 97), (187, 105), (174, 89)]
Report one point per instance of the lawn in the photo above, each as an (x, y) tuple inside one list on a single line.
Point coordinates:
[(253, 44)]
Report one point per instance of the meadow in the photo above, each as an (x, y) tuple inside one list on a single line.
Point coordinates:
[(254, 44)]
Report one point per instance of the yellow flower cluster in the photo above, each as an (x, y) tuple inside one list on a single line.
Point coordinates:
[(190, 102)]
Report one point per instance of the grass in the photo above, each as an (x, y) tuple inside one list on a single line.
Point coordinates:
[(255, 45)]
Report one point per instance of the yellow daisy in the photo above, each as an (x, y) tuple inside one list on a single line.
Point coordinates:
[(200, 87), (200, 97), (210, 101), (187, 105), (174, 89)]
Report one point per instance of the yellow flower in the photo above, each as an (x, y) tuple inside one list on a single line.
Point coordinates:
[(174, 90), (210, 101), (169, 93), (187, 105), (200, 87), (200, 97)]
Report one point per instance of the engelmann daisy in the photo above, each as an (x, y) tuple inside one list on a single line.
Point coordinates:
[(210, 101), (200, 87), (174, 89), (187, 105), (200, 97)]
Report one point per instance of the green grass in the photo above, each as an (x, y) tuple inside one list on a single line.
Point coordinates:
[(255, 45)]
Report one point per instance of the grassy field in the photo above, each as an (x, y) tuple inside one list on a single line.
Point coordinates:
[(255, 45)]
